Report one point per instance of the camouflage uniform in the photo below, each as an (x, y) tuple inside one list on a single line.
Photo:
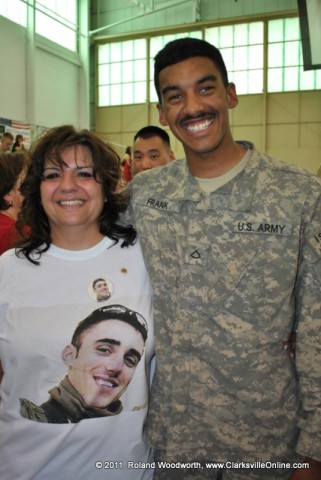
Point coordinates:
[(232, 272)]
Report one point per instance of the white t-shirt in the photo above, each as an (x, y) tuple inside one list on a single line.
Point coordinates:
[(40, 306)]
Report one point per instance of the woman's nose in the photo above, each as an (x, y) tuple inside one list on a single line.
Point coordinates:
[(68, 180)]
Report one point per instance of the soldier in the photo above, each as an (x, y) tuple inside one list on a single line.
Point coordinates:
[(102, 357), (232, 241), (100, 287), (151, 148)]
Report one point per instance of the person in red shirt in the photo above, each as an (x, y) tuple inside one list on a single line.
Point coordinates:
[(12, 171), (126, 165)]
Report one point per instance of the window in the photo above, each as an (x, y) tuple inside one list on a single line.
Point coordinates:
[(285, 61), (241, 47), (123, 76), (15, 10), (122, 70), (122, 73), (57, 21)]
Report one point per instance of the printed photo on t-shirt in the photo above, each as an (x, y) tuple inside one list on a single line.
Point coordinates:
[(101, 359), (100, 289)]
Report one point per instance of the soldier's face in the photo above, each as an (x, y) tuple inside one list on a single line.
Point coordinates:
[(195, 105), (101, 289), (105, 363), (149, 153)]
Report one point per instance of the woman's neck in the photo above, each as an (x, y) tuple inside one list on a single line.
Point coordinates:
[(73, 239), (11, 213)]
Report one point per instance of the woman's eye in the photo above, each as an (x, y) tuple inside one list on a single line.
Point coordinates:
[(83, 174), (51, 176)]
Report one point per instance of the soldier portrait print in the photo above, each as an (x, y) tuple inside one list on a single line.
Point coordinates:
[(100, 289), (102, 357)]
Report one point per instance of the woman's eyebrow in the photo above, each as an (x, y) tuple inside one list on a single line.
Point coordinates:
[(56, 167)]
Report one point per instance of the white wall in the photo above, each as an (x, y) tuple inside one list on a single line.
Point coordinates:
[(12, 71), (42, 83), (56, 90)]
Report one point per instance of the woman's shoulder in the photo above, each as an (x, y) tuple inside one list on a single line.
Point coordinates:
[(8, 256)]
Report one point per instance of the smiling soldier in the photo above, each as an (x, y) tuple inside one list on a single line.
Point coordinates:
[(235, 262)]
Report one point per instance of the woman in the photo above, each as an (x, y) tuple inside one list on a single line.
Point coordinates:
[(97, 385), (18, 144), (12, 169)]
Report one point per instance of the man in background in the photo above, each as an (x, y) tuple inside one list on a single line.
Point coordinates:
[(6, 142), (151, 148)]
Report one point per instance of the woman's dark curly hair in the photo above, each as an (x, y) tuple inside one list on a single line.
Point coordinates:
[(106, 171)]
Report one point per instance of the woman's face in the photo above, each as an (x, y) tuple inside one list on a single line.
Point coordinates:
[(70, 195)]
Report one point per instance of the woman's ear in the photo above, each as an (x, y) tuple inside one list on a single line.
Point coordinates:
[(8, 197)]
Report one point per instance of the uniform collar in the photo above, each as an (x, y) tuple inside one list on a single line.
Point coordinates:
[(240, 190)]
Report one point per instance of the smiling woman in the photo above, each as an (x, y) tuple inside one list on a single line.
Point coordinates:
[(71, 187), (98, 382), (72, 197)]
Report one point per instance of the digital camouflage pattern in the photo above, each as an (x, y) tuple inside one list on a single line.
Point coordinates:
[(233, 271)]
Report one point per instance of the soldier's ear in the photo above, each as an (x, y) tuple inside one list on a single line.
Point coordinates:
[(232, 98), (162, 117), (69, 354)]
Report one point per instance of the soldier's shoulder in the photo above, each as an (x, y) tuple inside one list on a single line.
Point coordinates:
[(287, 167), (288, 171), (157, 175), (32, 411)]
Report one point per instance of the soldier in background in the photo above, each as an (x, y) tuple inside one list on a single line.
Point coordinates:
[(152, 148), (232, 241)]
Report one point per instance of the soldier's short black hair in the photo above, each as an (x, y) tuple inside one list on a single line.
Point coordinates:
[(183, 48), (153, 131)]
